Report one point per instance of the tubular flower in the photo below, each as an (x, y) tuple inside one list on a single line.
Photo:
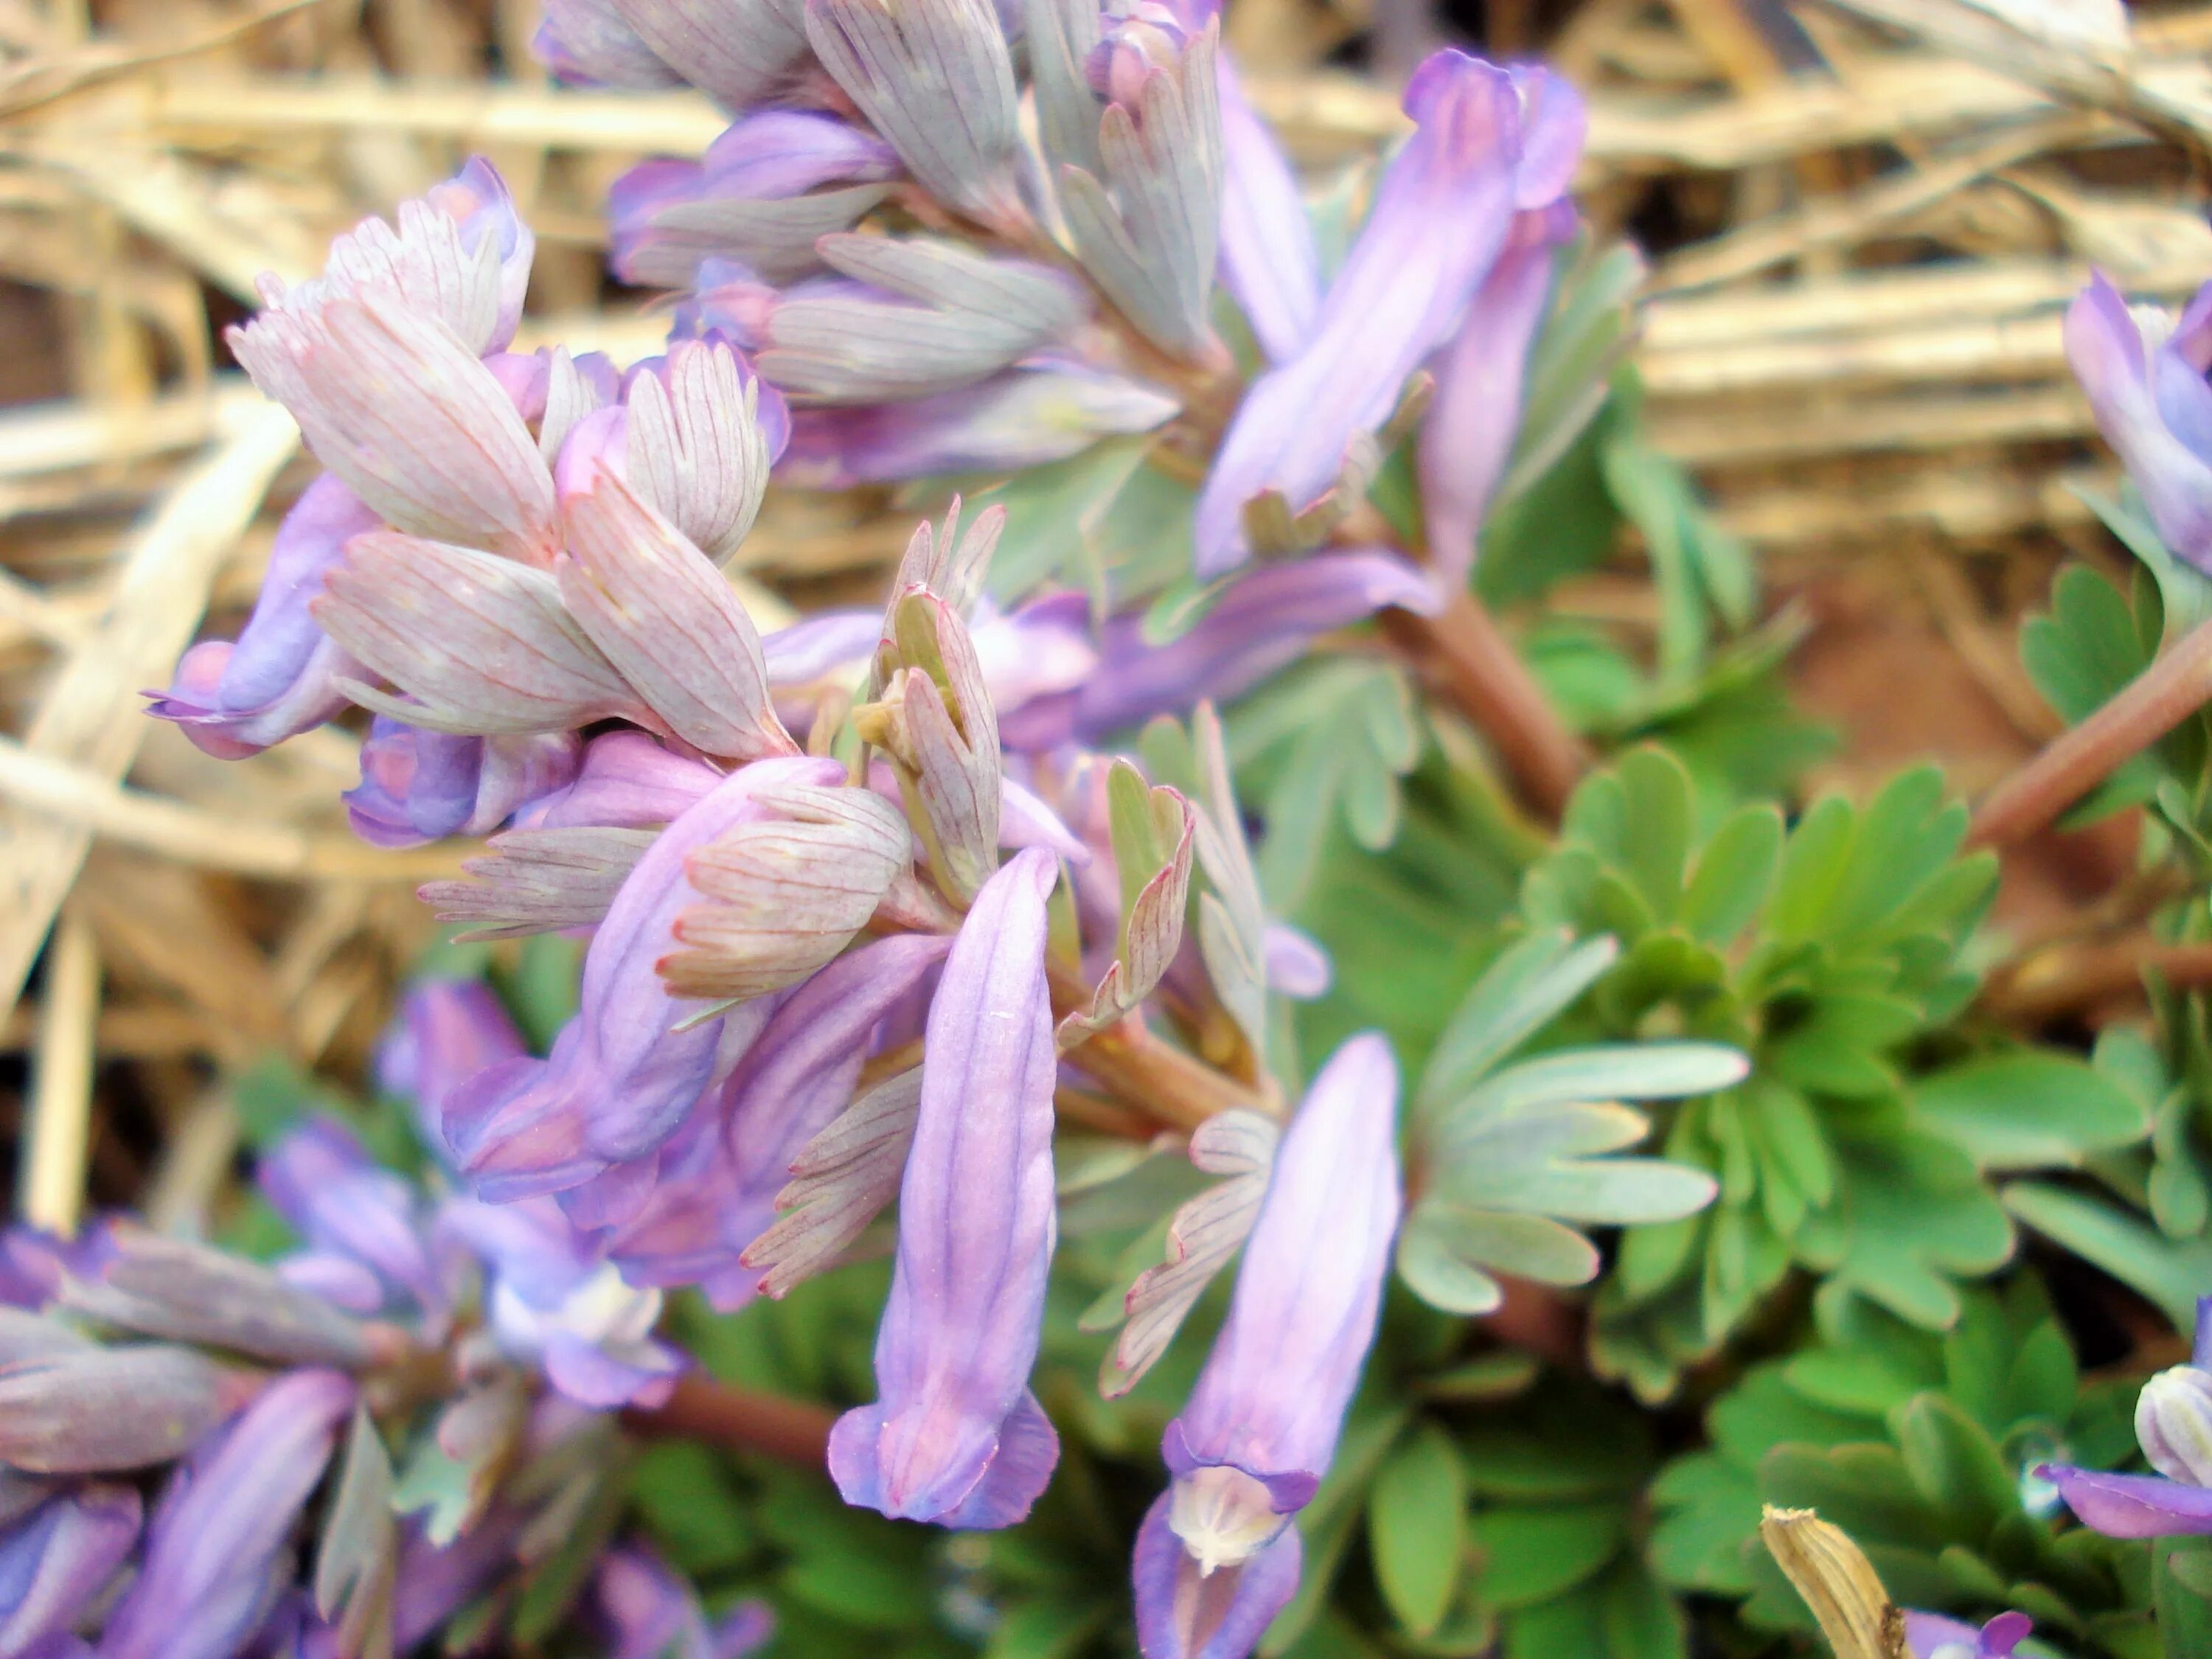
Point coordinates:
[(1218, 1558), (2144, 372), (2173, 1425), (957, 1438)]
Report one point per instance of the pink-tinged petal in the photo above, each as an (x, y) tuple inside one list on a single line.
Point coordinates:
[(620, 1078), (977, 1229), (591, 1375), (2131, 1505), (1183, 1613), (393, 402)]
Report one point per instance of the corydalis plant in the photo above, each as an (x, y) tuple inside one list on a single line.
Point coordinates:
[(811, 954)]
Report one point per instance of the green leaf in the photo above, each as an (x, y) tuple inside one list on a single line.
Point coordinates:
[(1416, 1526), (2032, 1108), (1530, 1555), (2171, 1272), (1955, 1465), (1735, 873), (1528, 986)]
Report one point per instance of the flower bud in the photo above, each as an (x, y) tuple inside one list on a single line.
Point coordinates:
[(2173, 1421)]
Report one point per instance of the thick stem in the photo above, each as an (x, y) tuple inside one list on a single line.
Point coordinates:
[(794, 1431), (2176, 685), (1466, 658), (1140, 1069)]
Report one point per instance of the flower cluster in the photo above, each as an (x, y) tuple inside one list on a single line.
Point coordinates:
[(866, 922), (491, 1337)]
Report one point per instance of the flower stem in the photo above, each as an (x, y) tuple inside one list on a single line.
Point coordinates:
[(1140, 1068), (794, 1431), (2178, 682), (1465, 659)]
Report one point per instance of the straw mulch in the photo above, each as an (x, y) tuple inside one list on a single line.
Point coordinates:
[(1862, 242)]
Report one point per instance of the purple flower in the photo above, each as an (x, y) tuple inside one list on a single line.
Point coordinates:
[(1469, 434), (418, 786), (1263, 620), (957, 1438), (694, 436), (365, 1245), (587, 43), (56, 1560), (628, 780), (2174, 1424), (715, 1197), (620, 1078), (761, 196), (652, 1614), (1043, 409), (216, 1556), (380, 360), (447, 1031), (555, 1302), (1490, 141), (280, 676), (2144, 373), (1268, 261), (1931, 1636), (1259, 1431)]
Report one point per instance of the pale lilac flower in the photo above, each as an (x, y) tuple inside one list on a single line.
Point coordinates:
[(1489, 143), (1268, 261), (1469, 437), (447, 1030), (418, 786), (215, 1557), (379, 361), (1258, 1433), (712, 1197), (1262, 622), (694, 436), (2174, 1424), (1046, 408), (365, 1248), (654, 1614), (2144, 372), (765, 191), (280, 676), (587, 43), (620, 1078), (957, 1438), (628, 780), (554, 1302), (57, 1560), (1932, 1636), (739, 52)]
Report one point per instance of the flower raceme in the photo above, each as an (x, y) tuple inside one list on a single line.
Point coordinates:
[(863, 913)]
